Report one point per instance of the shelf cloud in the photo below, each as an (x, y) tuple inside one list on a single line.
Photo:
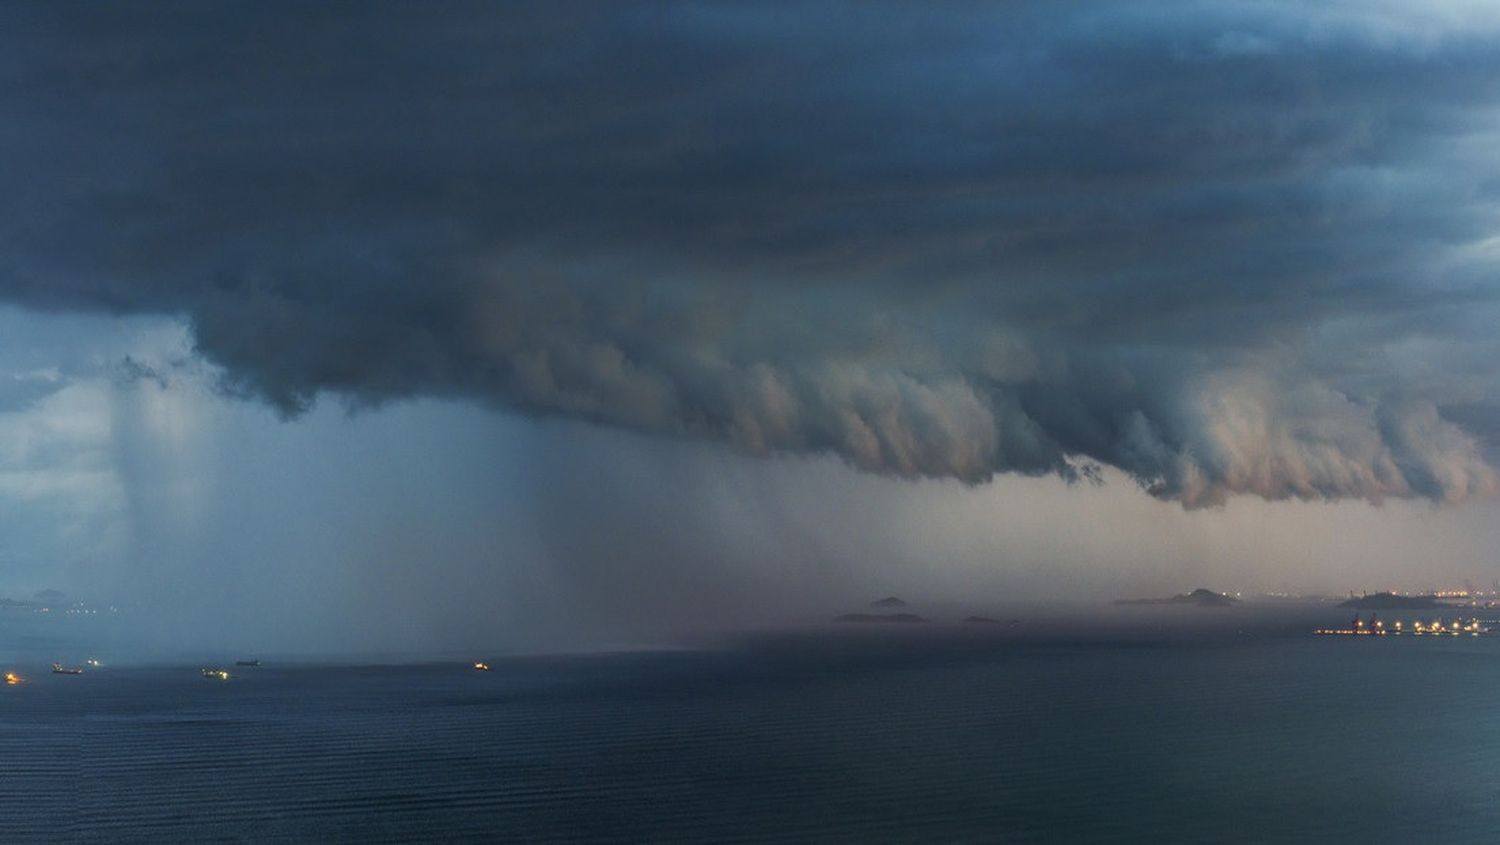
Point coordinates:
[(1224, 248)]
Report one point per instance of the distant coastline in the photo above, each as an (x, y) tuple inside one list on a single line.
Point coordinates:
[(1391, 601), (880, 617)]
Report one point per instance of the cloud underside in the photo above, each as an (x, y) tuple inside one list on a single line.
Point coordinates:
[(1225, 249)]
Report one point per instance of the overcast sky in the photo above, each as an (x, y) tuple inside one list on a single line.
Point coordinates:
[(448, 321)]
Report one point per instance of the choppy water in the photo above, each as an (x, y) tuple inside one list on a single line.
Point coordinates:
[(1270, 737)]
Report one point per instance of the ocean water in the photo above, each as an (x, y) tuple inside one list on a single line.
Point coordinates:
[(1227, 734)]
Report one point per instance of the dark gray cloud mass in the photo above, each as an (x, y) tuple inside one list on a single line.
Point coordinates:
[(1226, 248)]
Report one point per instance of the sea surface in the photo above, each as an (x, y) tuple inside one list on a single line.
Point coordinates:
[(1236, 732)]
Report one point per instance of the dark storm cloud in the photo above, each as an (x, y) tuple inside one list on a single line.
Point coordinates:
[(1227, 248)]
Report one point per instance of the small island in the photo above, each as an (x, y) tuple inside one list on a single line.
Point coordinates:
[(1197, 598), (888, 602)]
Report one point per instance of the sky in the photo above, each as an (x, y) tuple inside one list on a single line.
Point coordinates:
[(538, 323)]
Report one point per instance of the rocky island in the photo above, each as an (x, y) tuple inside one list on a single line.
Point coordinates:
[(1198, 598)]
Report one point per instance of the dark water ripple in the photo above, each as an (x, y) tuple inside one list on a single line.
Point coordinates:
[(1277, 740)]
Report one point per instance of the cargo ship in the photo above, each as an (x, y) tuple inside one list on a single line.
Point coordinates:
[(59, 669)]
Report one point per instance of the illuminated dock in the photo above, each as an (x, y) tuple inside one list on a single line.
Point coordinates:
[(1436, 628)]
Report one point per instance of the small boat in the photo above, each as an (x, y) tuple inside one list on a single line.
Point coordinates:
[(59, 669), (247, 662), (216, 674), (481, 667), (12, 679), (94, 663)]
